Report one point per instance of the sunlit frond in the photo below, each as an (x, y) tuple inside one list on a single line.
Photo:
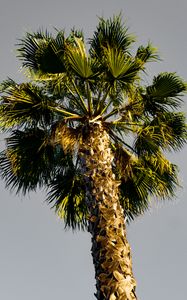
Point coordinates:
[(121, 67), (112, 33), (25, 103), (167, 131), (78, 59), (147, 54)]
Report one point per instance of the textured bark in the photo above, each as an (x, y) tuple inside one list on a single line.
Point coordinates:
[(110, 248)]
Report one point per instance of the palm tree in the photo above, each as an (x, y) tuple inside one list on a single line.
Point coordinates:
[(85, 127)]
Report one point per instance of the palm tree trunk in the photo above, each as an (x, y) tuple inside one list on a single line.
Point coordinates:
[(110, 248)]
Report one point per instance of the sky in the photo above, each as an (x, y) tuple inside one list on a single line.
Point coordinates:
[(38, 258)]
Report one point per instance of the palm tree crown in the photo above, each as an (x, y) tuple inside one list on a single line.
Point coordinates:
[(69, 89)]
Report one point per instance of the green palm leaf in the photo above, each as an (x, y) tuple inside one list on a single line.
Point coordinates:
[(147, 54), (28, 161), (42, 52), (67, 195), (112, 33), (120, 66), (164, 175), (24, 103), (142, 178), (78, 59), (165, 93), (167, 131)]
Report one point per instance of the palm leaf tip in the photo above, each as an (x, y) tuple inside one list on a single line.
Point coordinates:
[(148, 53)]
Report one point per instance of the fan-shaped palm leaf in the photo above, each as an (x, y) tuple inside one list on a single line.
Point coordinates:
[(25, 103), (142, 178), (167, 131), (67, 193), (147, 54), (42, 52), (120, 66), (78, 59), (112, 33), (28, 161), (164, 94)]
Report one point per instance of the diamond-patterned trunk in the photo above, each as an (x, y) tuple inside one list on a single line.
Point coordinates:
[(110, 248)]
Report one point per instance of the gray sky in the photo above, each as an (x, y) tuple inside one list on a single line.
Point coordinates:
[(38, 260)]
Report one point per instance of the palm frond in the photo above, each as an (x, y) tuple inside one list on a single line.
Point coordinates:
[(54, 84), (165, 93), (167, 131), (148, 176), (6, 85), (113, 33), (67, 194), (25, 104), (75, 34), (147, 54), (121, 67), (42, 52), (28, 161), (164, 173), (32, 105), (78, 59), (134, 192), (135, 182)]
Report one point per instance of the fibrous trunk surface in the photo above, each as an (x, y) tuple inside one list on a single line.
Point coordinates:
[(110, 248)]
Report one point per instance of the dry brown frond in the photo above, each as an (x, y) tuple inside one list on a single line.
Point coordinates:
[(67, 137)]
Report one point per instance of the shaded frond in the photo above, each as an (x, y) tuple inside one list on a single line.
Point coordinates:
[(67, 195), (28, 161), (42, 52), (149, 176), (164, 173), (30, 104), (165, 93), (7, 85)]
